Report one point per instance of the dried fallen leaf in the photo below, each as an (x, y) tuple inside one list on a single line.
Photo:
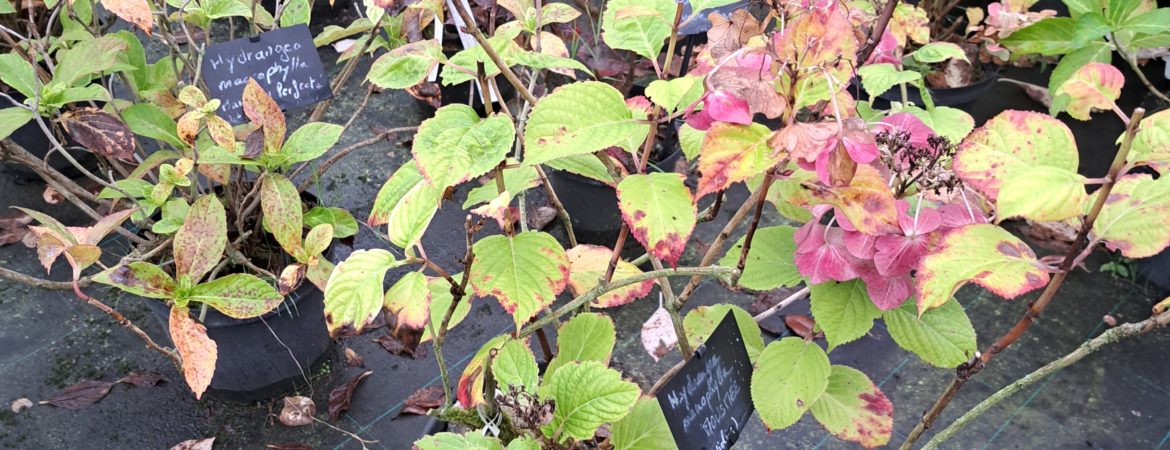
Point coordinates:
[(802, 325), (288, 446), (298, 411), (340, 396), (1109, 320), (21, 404), (353, 359), (80, 395), (195, 444), (51, 196), (423, 400), (13, 226), (100, 132), (142, 380), (658, 336), (402, 343), (540, 216), (343, 45)]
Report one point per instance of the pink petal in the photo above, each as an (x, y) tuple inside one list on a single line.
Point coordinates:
[(699, 120), (886, 292), (899, 255), (725, 107), (907, 122), (822, 260), (858, 142), (886, 51)]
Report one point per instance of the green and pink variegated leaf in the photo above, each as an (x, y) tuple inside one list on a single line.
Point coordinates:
[(1094, 85), (854, 409), (866, 201), (660, 212), (499, 209), (1151, 144), (524, 272), (588, 263), (1136, 216), (239, 295), (983, 254), (200, 242), (410, 300), (731, 153), (1011, 142)]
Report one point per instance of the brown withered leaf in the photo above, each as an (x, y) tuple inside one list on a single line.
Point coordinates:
[(658, 336), (100, 132), (802, 325), (254, 145), (728, 35), (540, 216), (13, 226), (340, 396), (288, 446), (291, 277), (195, 444), (51, 196), (80, 395), (298, 411), (427, 92), (398, 347), (143, 380), (422, 400), (353, 359), (136, 12)]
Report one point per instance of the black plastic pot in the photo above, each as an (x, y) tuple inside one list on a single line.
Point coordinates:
[(264, 357), (959, 97)]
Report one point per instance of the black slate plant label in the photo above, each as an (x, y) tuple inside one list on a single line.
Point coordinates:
[(708, 403), (284, 62)]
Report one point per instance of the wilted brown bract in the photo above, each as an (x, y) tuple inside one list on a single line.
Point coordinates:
[(100, 132)]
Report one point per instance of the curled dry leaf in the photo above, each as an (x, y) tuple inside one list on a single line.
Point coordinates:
[(291, 277), (340, 396), (13, 226), (51, 196), (407, 344), (658, 336), (353, 359), (802, 325), (298, 411), (288, 446), (142, 380), (195, 444), (89, 392), (21, 404), (100, 132), (540, 216), (423, 400)]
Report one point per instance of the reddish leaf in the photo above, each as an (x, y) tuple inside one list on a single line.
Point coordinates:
[(821, 254), (725, 107), (404, 342), (867, 201), (253, 145), (262, 110), (80, 395), (195, 444), (802, 325), (340, 396), (423, 400), (100, 132), (298, 411), (13, 226)]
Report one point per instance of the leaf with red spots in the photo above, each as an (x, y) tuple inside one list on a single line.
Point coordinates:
[(239, 295), (200, 242), (1094, 85), (660, 212), (866, 201), (1151, 144), (790, 375), (263, 111), (1018, 153), (733, 153), (588, 263), (854, 409), (1136, 216), (101, 132), (196, 349), (524, 272), (984, 254), (340, 396)]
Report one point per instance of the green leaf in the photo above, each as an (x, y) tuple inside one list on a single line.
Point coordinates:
[(943, 336), (310, 141), (580, 118), (854, 409), (296, 12), (441, 301), (589, 263), (660, 212), (1010, 145), (1050, 37), (585, 337), (639, 26), (334, 33), (410, 301), (951, 123), (503, 42), (675, 93), (587, 395), (1096, 51), (790, 376), (6, 7), (585, 165), (515, 365), (516, 180), (456, 145), (451, 441), (526, 442), (18, 74), (200, 242), (354, 296), (1089, 27), (87, 58), (239, 295), (1151, 144), (644, 429), (701, 322), (769, 264), (1150, 22), (1078, 7), (344, 225), (1117, 12), (283, 216), (1136, 216), (407, 65), (470, 385), (1064, 194), (219, 9), (984, 254), (879, 78), (936, 52), (139, 278), (174, 213), (844, 311), (691, 141), (316, 241), (524, 272), (406, 203), (145, 119), (11, 119)]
